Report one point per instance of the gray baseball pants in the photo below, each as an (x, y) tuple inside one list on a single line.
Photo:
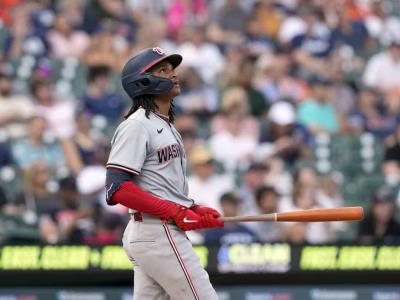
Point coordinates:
[(165, 264)]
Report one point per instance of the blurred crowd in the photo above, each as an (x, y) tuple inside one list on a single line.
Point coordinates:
[(285, 105)]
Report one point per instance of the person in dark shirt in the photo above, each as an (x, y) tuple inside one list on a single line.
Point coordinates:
[(380, 225), (6, 157), (317, 40), (231, 232), (257, 103), (99, 98)]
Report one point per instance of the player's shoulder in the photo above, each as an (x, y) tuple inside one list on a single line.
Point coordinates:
[(134, 122), (138, 115), (138, 118)]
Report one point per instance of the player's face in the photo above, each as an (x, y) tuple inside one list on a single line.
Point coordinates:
[(166, 70)]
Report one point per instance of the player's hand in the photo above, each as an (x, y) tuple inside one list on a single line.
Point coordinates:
[(210, 216), (210, 221), (203, 210), (187, 219)]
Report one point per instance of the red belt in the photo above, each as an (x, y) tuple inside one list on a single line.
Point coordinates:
[(139, 217)]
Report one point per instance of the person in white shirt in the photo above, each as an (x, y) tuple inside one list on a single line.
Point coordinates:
[(383, 69), (205, 184)]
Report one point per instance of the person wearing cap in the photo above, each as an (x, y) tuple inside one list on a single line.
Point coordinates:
[(286, 137), (380, 224), (205, 184), (146, 172)]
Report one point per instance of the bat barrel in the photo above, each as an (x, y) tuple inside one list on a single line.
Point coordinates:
[(323, 215)]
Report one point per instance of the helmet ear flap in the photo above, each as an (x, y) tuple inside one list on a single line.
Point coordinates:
[(146, 84), (145, 81)]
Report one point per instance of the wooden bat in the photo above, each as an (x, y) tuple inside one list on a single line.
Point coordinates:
[(311, 215)]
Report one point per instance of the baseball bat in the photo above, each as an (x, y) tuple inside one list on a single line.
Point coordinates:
[(310, 215)]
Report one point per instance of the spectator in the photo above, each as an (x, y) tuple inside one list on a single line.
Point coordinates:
[(66, 41), (5, 13), (392, 146), (285, 137), (6, 156), (24, 38), (235, 133), (274, 81), (380, 225), (269, 18), (267, 200), (106, 48), (205, 57), (36, 146), (147, 9), (317, 113), (253, 178), (304, 197), (100, 99), (328, 193), (230, 20), (196, 97), (153, 33), (191, 131), (38, 196), (317, 39), (306, 176), (391, 164), (3, 200), (369, 116), (383, 69), (108, 231), (59, 113), (232, 232), (258, 105), (235, 105), (15, 108), (73, 219), (87, 140), (205, 184), (256, 41), (296, 233), (184, 12), (278, 175), (349, 32)]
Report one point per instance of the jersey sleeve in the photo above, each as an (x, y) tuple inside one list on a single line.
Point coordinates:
[(129, 147)]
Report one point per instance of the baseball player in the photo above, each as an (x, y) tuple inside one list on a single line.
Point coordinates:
[(146, 172)]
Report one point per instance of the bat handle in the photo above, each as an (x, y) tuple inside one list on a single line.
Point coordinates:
[(263, 218)]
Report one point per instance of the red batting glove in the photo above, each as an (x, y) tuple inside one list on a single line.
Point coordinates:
[(210, 221), (203, 210), (186, 219)]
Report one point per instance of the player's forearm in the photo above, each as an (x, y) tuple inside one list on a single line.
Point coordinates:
[(132, 196), (121, 189)]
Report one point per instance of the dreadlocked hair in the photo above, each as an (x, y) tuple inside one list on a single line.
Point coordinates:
[(149, 105)]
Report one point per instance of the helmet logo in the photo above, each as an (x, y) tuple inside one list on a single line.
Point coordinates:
[(158, 50)]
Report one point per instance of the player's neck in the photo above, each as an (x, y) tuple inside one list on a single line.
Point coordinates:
[(163, 106)]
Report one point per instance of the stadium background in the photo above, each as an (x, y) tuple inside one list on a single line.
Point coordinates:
[(286, 104)]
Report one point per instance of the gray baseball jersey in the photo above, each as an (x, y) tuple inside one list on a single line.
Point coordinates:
[(153, 149)]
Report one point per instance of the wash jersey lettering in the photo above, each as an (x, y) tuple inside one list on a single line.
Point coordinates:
[(152, 149)]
